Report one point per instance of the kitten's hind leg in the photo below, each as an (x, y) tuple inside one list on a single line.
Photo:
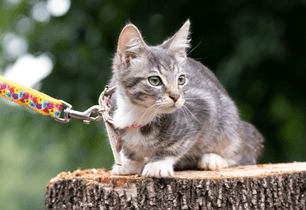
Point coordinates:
[(128, 166), (212, 161)]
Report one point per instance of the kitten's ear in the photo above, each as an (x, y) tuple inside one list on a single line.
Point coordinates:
[(130, 43), (179, 43)]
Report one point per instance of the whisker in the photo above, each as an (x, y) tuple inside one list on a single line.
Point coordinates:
[(193, 98), (154, 114), (191, 114), (195, 46), (144, 102), (146, 111), (186, 114)]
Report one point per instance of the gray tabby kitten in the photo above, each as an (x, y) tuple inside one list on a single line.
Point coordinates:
[(172, 112)]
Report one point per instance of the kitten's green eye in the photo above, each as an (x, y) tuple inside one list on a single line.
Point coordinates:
[(181, 80), (154, 80)]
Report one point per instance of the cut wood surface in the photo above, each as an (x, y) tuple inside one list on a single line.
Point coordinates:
[(269, 186)]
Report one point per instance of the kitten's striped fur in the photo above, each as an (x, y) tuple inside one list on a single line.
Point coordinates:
[(190, 125)]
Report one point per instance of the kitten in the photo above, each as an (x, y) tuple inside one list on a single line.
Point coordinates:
[(172, 112)]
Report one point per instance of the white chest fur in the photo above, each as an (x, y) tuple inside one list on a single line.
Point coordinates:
[(128, 114), (142, 146)]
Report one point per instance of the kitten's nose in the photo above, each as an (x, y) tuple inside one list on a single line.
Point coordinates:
[(174, 97)]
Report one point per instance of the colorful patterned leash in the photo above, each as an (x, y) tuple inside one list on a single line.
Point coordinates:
[(47, 105), (30, 98)]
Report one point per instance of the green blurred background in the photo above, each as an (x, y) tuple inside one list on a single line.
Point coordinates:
[(256, 49)]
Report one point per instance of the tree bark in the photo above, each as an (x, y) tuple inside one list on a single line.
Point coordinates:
[(269, 186)]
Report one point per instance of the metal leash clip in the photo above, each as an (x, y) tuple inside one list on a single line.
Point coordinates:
[(102, 110), (104, 102), (86, 116)]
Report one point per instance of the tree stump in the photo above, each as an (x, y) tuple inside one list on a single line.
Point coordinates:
[(269, 186)]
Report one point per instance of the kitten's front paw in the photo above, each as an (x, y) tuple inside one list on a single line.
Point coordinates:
[(212, 161), (158, 169), (132, 167)]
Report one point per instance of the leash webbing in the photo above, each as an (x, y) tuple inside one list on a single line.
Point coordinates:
[(30, 98), (47, 105)]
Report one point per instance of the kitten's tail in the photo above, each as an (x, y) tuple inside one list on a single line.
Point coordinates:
[(252, 147)]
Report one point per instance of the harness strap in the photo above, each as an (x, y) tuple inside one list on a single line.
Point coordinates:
[(30, 98), (113, 136)]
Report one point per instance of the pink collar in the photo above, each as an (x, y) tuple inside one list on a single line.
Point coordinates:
[(133, 126)]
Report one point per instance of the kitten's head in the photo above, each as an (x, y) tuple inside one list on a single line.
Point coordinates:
[(151, 76)]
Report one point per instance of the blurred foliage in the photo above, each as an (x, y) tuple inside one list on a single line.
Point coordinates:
[(256, 49)]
